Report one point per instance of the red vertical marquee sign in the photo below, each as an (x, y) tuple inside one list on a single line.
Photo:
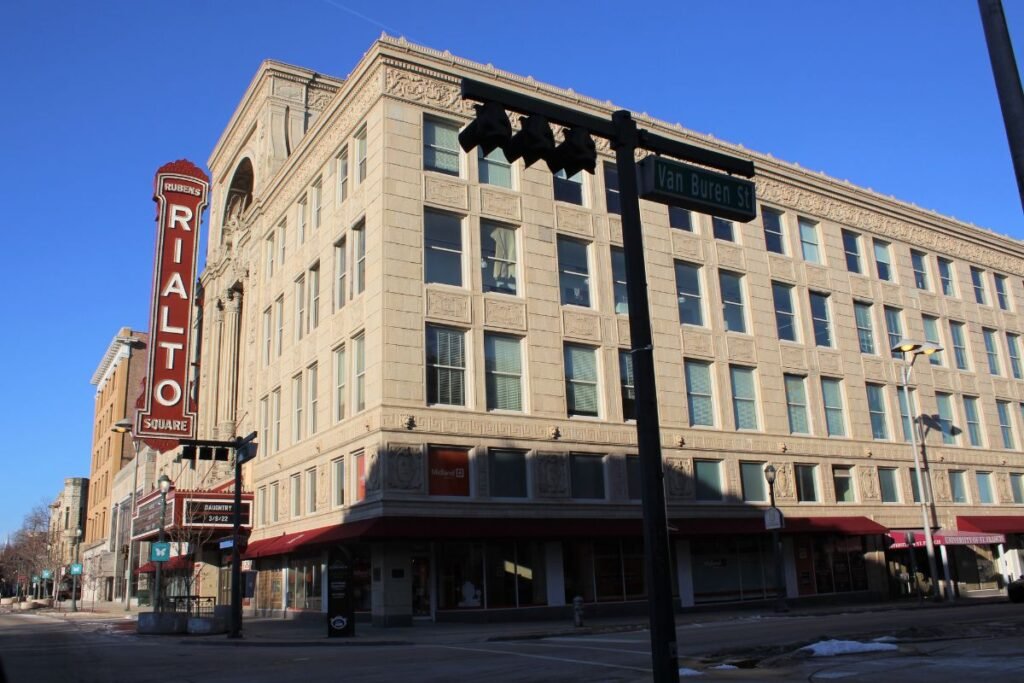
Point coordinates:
[(180, 192)]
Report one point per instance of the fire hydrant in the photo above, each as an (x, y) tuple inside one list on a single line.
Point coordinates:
[(577, 611)]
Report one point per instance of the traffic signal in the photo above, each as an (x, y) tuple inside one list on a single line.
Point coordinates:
[(534, 141), (488, 131), (577, 152), (193, 453)]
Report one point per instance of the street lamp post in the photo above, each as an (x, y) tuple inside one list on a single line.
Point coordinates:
[(915, 349), (780, 580), (165, 485), (915, 585), (125, 427), (74, 576)]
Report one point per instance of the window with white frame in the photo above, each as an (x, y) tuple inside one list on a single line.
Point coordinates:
[(626, 385), (581, 380), (991, 351), (809, 240), (888, 484), (984, 482), (688, 294), (446, 366), (295, 491), (796, 403), (931, 335), (300, 306), (958, 486), (359, 368), (503, 368), (301, 218), (440, 146), (568, 189), (905, 422), (282, 240), (944, 404), (275, 415), (731, 288), (341, 162), (1017, 487), (279, 324), (785, 312), (919, 263), (956, 334), (586, 475), (865, 326), (275, 502), (507, 473), (498, 259), (1013, 346), (971, 416), (611, 188), (270, 251), (820, 318), (338, 482), (832, 397), (806, 483), (311, 491), (680, 218), (876, 411), (722, 229), (360, 140), (894, 329), (699, 400), (313, 317), (316, 201), (1002, 298), (442, 235), (774, 239), (339, 383), (1005, 425), (267, 334), (753, 482), (340, 273), (842, 482), (619, 291), (744, 397), (312, 388), (851, 248), (574, 271), (978, 283), (946, 276), (494, 168), (265, 422), (359, 256), (261, 505), (708, 479), (298, 405)]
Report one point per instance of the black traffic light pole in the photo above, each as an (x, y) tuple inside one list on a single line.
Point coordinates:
[(626, 139)]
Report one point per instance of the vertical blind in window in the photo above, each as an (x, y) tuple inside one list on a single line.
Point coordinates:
[(504, 372), (581, 380), (698, 393), (446, 365), (796, 404), (743, 397), (831, 391)]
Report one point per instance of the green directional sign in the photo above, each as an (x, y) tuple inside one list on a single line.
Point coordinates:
[(47, 574), (35, 579), (76, 569), (691, 187)]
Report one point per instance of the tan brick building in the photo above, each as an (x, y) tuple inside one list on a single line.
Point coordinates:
[(431, 346)]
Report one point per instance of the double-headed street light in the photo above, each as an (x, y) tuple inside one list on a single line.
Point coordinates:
[(911, 350), (125, 427), (164, 483), (74, 575), (780, 581)]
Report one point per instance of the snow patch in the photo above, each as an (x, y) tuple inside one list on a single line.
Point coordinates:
[(683, 671), (885, 639), (723, 667), (832, 648)]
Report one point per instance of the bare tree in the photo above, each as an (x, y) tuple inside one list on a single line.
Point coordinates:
[(25, 553)]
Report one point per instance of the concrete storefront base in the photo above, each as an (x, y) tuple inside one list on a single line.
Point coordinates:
[(205, 626), (162, 623)]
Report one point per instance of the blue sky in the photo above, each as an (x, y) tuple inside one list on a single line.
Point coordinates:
[(898, 97)]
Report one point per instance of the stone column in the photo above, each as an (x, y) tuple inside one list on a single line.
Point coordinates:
[(229, 364)]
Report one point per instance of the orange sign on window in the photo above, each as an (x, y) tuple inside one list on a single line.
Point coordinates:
[(449, 472)]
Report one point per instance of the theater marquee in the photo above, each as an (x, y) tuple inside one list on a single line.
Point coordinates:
[(180, 192)]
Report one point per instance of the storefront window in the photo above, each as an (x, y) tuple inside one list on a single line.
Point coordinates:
[(839, 564), (515, 574), (304, 574), (732, 569), (268, 585), (461, 581)]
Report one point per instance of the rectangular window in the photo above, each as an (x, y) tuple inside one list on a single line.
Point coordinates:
[(446, 366), (265, 423), (865, 327), (680, 218), (275, 502), (338, 482), (944, 403), (915, 490), (931, 335), (359, 254), (785, 315), (302, 211), (796, 404), (708, 474), (883, 260), (1017, 488), (991, 352), (807, 483), (753, 482), (958, 486), (359, 462), (440, 146), (279, 324), (946, 276), (809, 240), (722, 229), (698, 393), (498, 257), (574, 271), (359, 346), (504, 370), (901, 395), (820, 319), (282, 239), (774, 240), (581, 388), (978, 282), (568, 189), (984, 481), (494, 168), (507, 473), (267, 334), (360, 138), (851, 246), (296, 495), (731, 287), (261, 505), (619, 290), (340, 273), (611, 188), (1001, 296), (894, 330), (312, 388), (973, 420), (587, 475), (342, 162), (1013, 346), (1005, 426), (442, 246), (339, 384), (842, 480), (300, 307), (888, 484), (626, 386), (448, 470), (316, 210), (310, 491), (876, 410), (744, 399), (271, 251), (313, 318), (691, 311), (298, 401), (633, 485), (275, 414), (918, 262), (832, 396), (956, 333)]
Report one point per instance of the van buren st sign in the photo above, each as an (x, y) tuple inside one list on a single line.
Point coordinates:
[(180, 192), (691, 187)]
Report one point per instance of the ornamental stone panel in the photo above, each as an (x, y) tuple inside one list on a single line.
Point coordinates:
[(500, 205), (679, 484), (781, 268), (697, 342), (860, 287), (403, 464), (447, 193), (576, 222), (509, 315), (551, 472), (742, 349), (452, 306), (583, 326), (686, 245)]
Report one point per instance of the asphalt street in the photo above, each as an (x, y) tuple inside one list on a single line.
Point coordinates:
[(947, 643)]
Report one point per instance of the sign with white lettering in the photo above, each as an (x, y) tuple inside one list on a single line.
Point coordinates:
[(449, 472), (214, 513), (691, 187), (773, 519), (180, 193)]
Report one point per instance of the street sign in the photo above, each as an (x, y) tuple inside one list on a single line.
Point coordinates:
[(159, 552), (773, 519), (35, 579), (691, 187), (47, 574), (76, 569)]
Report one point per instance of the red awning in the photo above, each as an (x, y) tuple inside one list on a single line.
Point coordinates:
[(997, 524), (847, 526), (899, 538), (176, 562)]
